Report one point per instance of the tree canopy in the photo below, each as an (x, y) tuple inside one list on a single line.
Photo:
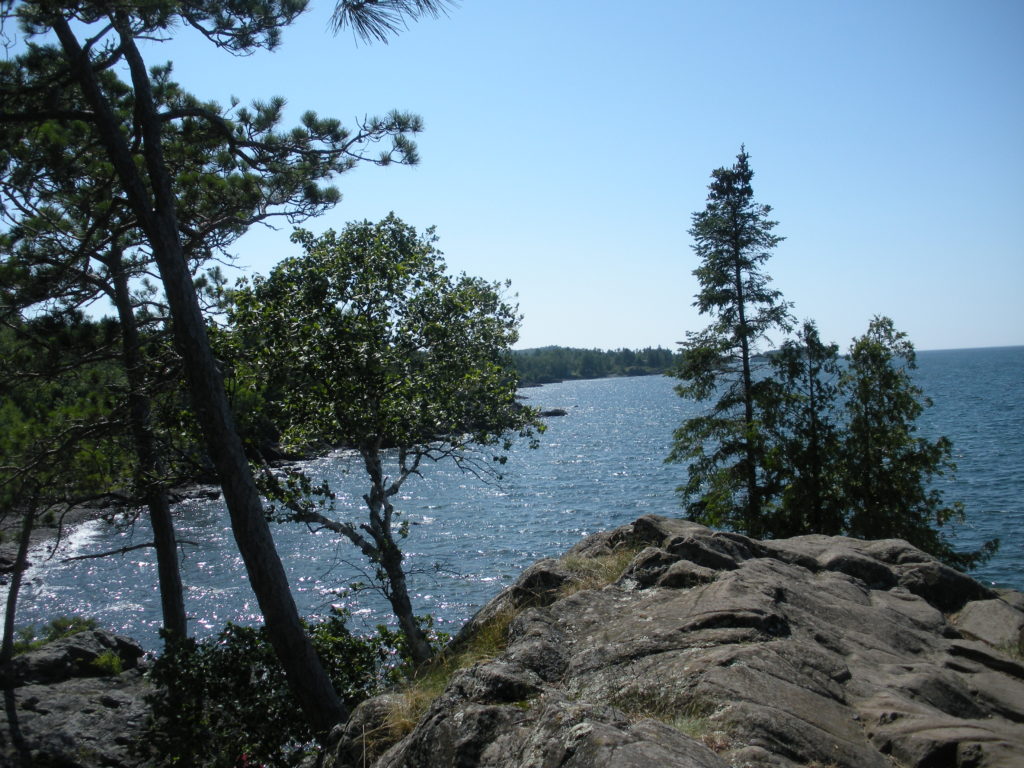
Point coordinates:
[(171, 180), (366, 341), (796, 440), (887, 468)]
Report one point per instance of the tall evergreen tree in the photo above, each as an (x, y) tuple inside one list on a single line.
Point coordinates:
[(93, 44), (733, 237)]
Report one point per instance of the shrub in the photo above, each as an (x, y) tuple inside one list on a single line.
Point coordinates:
[(225, 701), (108, 663)]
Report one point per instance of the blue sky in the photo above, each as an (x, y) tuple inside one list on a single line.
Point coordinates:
[(568, 142)]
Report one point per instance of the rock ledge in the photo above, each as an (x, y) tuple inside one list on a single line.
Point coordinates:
[(714, 650)]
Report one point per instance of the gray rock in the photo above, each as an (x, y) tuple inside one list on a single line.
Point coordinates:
[(74, 656), (62, 710), (995, 622), (713, 649)]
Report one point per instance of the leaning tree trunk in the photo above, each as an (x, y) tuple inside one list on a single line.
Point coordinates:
[(389, 556), (398, 595), (157, 213)]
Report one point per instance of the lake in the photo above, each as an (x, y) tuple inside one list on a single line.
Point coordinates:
[(599, 466)]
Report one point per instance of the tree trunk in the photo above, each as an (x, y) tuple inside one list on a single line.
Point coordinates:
[(398, 596), (389, 555), (754, 522), (149, 470), (158, 216), (20, 564)]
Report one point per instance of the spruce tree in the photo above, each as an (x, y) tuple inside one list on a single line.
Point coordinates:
[(725, 448)]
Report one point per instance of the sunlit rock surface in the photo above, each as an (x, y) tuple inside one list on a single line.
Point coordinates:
[(713, 650)]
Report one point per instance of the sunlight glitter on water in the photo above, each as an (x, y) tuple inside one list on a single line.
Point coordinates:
[(602, 466)]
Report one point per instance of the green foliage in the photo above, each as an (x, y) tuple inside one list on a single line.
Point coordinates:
[(551, 364), (365, 341), (886, 467), (802, 434), (733, 237), (108, 663), (840, 451), (794, 442), (225, 701), (31, 638), (60, 396)]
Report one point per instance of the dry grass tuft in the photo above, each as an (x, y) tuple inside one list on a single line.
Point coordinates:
[(692, 718), (597, 572), (415, 698)]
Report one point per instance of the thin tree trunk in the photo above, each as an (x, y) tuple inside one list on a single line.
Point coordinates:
[(158, 216), (389, 555), (753, 511), (20, 564), (149, 469), (398, 596)]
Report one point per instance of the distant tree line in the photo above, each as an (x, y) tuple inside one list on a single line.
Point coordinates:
[(546, 365)]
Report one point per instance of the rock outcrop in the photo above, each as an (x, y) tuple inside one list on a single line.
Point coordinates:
[(713, 649), (67, 704)]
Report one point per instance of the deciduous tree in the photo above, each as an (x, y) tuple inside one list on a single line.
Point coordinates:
[(366, 341)]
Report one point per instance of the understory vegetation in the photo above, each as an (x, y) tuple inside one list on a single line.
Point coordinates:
[(225, 700)]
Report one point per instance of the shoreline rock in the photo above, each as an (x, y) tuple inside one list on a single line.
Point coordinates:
[(64, 705), (713, 649), (702, 649)]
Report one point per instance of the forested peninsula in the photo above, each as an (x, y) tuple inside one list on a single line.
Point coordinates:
[(548, 365)]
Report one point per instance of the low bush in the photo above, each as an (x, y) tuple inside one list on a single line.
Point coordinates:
[(108, 663), (224, 702)]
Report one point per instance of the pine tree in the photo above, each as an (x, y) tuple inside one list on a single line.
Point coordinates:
[(733, 237), (94, 53)]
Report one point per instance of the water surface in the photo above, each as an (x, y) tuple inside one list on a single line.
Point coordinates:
[(597, 467)]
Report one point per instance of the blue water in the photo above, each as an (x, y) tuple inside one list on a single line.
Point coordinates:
[(599, 466)]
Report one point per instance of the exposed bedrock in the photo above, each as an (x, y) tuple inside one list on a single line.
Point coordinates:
[(713, 649)]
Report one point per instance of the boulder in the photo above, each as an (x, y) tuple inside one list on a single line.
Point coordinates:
[(76, 656), (714, 649), (62, 708), (993, 621)]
